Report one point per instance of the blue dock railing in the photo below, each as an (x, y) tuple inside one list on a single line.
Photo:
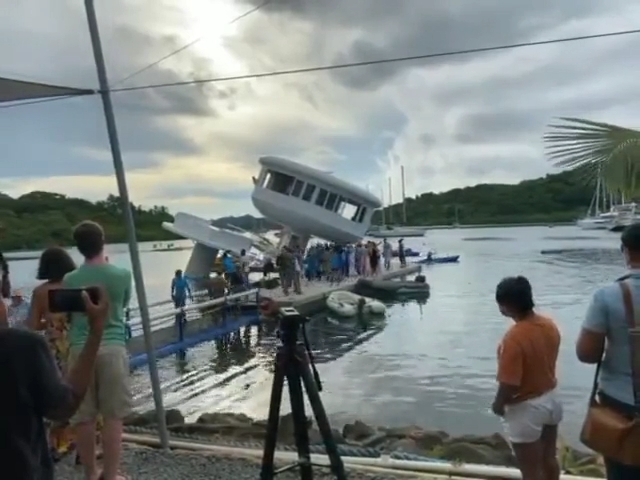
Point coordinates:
[(224, 315)]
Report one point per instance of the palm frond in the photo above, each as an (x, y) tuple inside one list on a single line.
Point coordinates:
[(599, 149)]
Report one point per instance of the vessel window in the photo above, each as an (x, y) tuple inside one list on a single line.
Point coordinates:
[(297, 188), (307, 195), (332, 202), (281, 183), (266, 180), (348, 209), (361, 216), (322, 196)]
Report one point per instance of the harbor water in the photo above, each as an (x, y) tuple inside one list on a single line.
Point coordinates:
[(431, 363)]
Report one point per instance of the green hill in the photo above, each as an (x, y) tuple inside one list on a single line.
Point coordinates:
[(560, 197), (39, 219)]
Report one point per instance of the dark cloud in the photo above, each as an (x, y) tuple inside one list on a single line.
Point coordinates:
[(416, 27)]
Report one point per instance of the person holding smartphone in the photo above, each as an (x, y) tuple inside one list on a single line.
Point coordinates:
[(33, 389)]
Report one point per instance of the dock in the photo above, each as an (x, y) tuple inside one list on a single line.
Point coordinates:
[(174, 330), (315, 293)]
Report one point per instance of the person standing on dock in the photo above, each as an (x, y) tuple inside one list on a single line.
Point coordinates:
[(286, 269), (401, 253), (109, 396), (180, 290), (527, 399), (387, 252)]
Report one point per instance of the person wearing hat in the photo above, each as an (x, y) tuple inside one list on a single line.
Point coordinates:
[(18, 311)]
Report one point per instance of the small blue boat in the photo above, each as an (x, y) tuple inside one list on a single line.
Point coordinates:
[(437, 259)]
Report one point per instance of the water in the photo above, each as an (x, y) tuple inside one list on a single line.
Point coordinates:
[(432, 364)]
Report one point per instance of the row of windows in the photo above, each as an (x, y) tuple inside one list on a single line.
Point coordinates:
[(289, 185)]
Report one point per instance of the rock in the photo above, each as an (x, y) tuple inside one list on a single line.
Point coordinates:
[(357, 431), (149, 419), (316, 438), (222, 418), (403, 432), (429, 441), (406, 445)]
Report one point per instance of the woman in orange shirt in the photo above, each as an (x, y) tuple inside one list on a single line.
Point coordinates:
[(526, 399)]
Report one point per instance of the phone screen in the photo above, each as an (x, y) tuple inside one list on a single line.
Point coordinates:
[(62, 300)]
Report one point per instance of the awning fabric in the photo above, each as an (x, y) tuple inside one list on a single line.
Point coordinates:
[(16, 90)]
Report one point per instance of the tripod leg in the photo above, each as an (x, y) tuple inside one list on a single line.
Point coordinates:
[(300, 430), (267, 469), (330, 445)]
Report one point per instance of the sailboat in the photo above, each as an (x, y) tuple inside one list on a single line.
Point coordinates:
[(391, 231), (602, 213)]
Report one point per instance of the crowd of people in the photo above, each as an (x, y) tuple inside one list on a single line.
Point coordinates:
[(333, 262), (63, 374)]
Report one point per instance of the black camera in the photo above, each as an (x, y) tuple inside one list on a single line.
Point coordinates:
[(290, 322)]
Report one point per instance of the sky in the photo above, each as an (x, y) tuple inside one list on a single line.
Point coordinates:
[(450, 121)]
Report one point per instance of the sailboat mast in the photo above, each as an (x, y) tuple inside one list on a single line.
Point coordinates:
[(390, 203), (597, 199), (383, 220), (404, 197)]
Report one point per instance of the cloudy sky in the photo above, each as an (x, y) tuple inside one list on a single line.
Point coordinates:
[(452, 121)]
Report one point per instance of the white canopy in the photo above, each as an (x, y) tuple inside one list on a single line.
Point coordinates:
[(12, 90)]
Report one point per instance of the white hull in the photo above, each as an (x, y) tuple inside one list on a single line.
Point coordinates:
[(594, 224)]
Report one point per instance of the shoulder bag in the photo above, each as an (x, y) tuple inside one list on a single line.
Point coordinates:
[(605, 430)]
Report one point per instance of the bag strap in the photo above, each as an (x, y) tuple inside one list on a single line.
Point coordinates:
[(634, 339)]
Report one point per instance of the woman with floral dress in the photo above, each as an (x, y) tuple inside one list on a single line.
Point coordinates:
[(54, 264)]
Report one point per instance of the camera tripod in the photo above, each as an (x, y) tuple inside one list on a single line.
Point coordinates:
[(294, 361)]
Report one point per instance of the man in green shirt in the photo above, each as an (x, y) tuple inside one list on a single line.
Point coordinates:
[(109, 396)]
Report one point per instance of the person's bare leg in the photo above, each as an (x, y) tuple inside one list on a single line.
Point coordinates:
[(529, 458), (549, 439), (111, 448), (86, 446)]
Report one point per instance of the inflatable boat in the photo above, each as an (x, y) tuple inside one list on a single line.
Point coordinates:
[(393, 287), (436, 259), (345, 304)]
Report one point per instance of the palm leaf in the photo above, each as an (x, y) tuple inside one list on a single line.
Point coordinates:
[(598, 149)]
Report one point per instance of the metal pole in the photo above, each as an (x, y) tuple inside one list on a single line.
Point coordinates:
[(128, 216), (404, 197)]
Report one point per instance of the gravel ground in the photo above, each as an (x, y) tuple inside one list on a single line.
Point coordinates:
[(152, 464)]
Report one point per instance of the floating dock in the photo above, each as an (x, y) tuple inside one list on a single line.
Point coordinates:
[(174, 330), (315, 293)]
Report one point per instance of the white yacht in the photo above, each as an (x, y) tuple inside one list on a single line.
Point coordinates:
[(602, 213), (626, 214)]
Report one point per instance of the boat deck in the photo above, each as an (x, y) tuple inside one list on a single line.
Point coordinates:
[(314, 293)]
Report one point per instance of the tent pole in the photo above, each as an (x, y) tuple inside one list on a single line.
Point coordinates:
[(118, 166)]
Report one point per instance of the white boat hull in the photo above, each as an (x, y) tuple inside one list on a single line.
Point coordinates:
[(594, 224)]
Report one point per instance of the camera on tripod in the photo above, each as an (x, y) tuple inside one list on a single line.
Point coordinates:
[(291, 321), (294, 362)]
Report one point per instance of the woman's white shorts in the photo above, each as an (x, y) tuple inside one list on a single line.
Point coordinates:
[(523, 421)]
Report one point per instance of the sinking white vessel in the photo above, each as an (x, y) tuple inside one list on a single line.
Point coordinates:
[(311, 203), (345, 304), (209, 241)]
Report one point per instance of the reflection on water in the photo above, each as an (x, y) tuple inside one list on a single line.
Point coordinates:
[(431, 364)]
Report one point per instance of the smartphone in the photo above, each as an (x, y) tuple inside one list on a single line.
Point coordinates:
[(63, 300)]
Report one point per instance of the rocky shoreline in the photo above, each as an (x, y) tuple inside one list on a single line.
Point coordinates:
[(488, 450)]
